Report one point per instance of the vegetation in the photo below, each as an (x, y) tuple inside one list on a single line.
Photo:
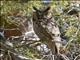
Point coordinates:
[(17, 15)]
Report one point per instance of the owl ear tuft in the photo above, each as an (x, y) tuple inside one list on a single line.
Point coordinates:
[(48, 8), (35, 8)]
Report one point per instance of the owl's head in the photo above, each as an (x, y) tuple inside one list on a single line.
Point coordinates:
[(41, 13)]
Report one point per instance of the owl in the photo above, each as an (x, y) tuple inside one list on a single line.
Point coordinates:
[(46, 28)]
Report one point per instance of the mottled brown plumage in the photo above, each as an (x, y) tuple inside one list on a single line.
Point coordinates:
[(46, 28)]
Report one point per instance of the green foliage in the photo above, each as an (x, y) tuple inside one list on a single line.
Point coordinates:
[(71, 31), (12, 8)]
